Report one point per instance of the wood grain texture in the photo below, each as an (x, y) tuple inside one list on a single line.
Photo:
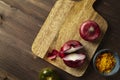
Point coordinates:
[(62, 25), (6, 76), (20, 25), (14, 24)]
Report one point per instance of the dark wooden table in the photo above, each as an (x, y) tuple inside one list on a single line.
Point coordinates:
[(20, 21)]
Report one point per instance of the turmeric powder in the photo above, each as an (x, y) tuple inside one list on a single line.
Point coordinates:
[(105, 62)]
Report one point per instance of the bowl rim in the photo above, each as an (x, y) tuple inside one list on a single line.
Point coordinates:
[(117, 65)]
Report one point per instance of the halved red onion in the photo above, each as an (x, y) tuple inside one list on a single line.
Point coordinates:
[(71, 46), (70, 53), (74, 60)]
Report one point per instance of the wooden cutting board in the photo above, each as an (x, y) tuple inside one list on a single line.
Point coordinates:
[(62, 25)]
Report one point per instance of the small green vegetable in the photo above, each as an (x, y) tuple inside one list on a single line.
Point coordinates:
[(48, 74)]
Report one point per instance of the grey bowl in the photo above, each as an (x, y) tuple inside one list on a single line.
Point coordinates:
[(117, 65)]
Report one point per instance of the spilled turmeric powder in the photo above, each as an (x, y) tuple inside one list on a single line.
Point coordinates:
[(105, 62)]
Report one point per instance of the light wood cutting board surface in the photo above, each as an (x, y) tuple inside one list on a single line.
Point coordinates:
[(62, 25)]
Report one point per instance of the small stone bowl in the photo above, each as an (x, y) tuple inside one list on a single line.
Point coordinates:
[(117, 64)]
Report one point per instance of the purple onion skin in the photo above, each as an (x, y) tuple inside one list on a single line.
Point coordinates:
[(74, 64), (86, 34)]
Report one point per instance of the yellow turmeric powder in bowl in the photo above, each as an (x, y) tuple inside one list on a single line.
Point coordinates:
[(105, 62)]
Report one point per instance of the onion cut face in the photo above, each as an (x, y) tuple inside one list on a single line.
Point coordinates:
[(71, 46), (74, 60), (73, 49), (74, 57)]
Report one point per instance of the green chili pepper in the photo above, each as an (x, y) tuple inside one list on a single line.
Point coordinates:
[(48, 74)]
